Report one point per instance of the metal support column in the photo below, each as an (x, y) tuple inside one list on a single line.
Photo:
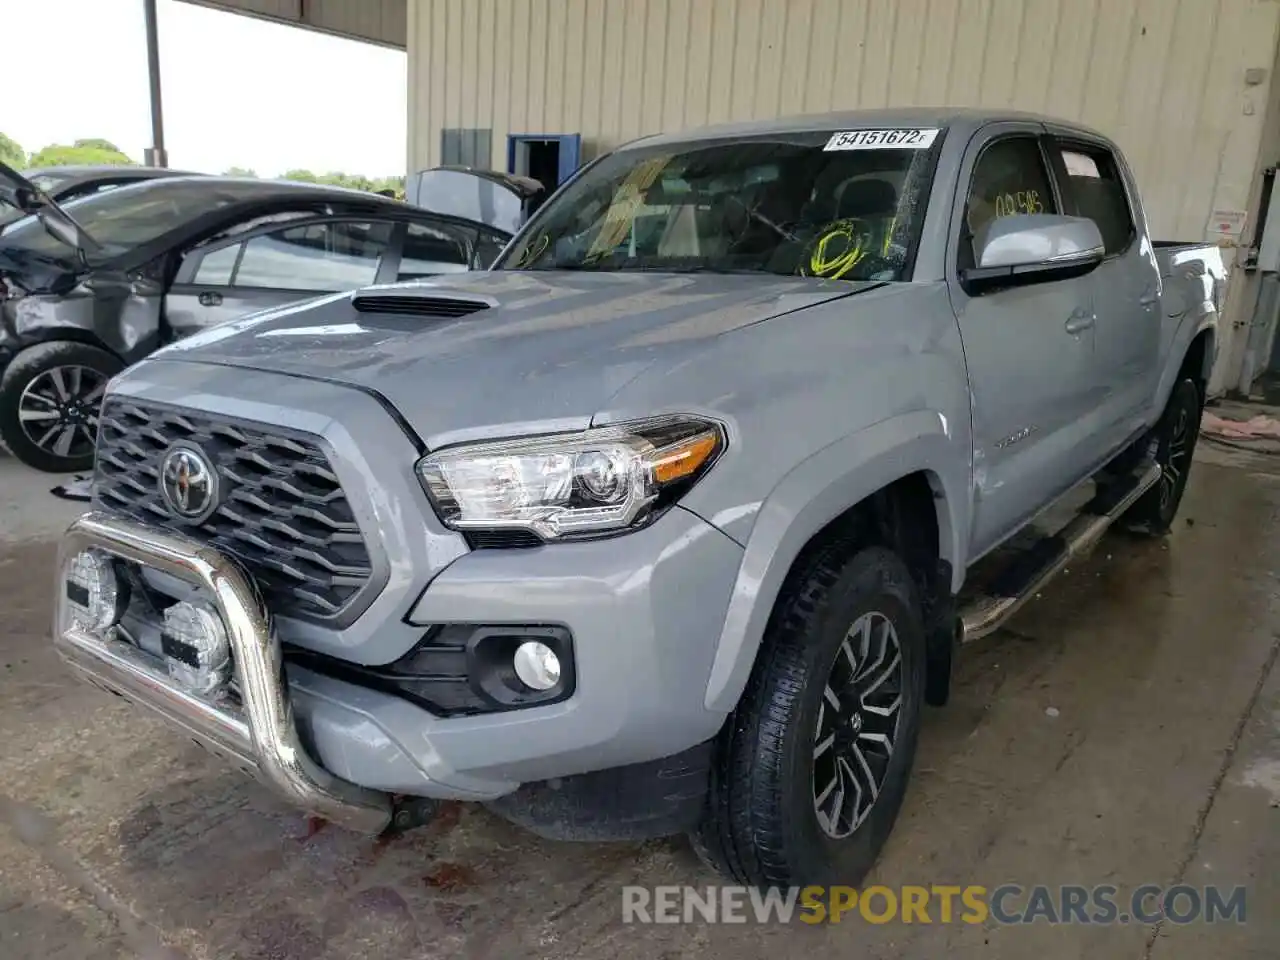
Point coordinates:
[(155, 154)]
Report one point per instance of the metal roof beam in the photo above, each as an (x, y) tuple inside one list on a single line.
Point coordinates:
[(383, 22)]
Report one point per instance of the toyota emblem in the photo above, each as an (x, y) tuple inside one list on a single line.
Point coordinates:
[(188, 484)]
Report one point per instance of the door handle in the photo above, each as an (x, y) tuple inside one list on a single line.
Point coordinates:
[(1080, 321), (210, 299)]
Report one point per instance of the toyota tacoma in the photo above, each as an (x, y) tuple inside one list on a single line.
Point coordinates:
[(661, 525)]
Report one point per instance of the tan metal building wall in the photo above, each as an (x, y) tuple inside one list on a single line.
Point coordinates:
[(1165, 77), (1171, 80)]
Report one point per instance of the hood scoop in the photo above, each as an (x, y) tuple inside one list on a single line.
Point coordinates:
[(402, 304)]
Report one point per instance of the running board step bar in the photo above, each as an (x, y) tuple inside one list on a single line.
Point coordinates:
[(1043, 561)]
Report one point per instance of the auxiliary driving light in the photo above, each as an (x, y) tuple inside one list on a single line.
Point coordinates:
[(536, 665), (197, 652), (94, 593)]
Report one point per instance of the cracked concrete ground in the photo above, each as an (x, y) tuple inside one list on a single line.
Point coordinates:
[(1126, 730)]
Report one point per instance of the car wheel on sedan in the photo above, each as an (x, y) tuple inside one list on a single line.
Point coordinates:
[(50, 395), (813, 765)]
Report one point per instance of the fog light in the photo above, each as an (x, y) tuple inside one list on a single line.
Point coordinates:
[(196, 650), (94, 592), (536, 665)]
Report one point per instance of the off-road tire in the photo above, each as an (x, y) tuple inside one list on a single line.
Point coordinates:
[(25, 369), (1175, 444), (760, 825)]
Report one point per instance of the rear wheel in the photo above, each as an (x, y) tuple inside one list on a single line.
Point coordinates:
[(49, 400), (1175, 440), (812, 767)]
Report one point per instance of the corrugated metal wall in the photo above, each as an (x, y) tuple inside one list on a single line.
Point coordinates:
[(1165, 77), (376, 21)]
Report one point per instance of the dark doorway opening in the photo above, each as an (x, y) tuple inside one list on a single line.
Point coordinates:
[(543, 162), (548, 158)]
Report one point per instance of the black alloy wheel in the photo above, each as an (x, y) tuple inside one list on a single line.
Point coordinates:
[(812, 766), (50, 397), (1175, 445), (58, 410), (857, 725)]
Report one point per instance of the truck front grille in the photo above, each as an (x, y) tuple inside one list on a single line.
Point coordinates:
[(282, 512)]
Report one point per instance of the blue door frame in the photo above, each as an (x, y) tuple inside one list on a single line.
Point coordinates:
[(570, 151)]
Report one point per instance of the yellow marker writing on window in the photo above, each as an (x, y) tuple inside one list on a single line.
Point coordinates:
[(836, 252), (1021, 201)]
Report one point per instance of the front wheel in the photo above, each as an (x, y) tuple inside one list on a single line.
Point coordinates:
[(813, 765), (1175, 441), (50, 395)]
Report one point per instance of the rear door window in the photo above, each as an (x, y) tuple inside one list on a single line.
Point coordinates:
[(216, 266), (431, 249), (1096, 190), (334, 255)]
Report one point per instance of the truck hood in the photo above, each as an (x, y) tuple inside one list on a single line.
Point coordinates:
[(541, 350)]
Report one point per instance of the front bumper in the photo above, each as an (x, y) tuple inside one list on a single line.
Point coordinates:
[(644, 611), (259, 735)]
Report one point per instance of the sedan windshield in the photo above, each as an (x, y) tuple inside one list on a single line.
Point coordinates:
[(835, 206), (45, 181), (123, 218)]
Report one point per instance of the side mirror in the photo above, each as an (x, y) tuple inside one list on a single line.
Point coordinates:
[(1032, 248)]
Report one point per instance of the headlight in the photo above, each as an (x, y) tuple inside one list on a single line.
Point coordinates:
[(560, 486)]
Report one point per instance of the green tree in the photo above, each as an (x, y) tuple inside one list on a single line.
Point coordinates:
[(353, 181), (12, 153), (86, 152), (239, 172), (97, 143), (392, 185)]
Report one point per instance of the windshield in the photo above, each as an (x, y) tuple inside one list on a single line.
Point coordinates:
[(123, 218), (44, 181), (809, 204), (47, 181)]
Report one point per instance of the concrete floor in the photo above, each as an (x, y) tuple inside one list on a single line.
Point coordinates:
[(1125, 731)]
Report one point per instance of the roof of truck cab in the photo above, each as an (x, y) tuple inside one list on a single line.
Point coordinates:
[(964, 120)]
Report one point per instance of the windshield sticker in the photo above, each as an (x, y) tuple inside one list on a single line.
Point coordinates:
[(1080, 165), (905, 138)]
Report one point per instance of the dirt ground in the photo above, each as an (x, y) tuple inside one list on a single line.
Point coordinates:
[(1125, 731)]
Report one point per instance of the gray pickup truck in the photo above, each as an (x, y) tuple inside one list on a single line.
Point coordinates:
[(660, 526)]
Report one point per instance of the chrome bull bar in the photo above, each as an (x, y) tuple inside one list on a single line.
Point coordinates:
[(262, 739)]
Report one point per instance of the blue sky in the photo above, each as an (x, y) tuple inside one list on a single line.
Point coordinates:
[(237, 91)]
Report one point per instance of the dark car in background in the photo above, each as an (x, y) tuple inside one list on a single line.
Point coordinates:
[(502, 200), (63, 184), (94, 285)]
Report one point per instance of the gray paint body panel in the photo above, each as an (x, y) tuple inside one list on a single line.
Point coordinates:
[(828, 391), (645, 621)]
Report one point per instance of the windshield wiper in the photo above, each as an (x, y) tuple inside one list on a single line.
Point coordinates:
[(709, 268)]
